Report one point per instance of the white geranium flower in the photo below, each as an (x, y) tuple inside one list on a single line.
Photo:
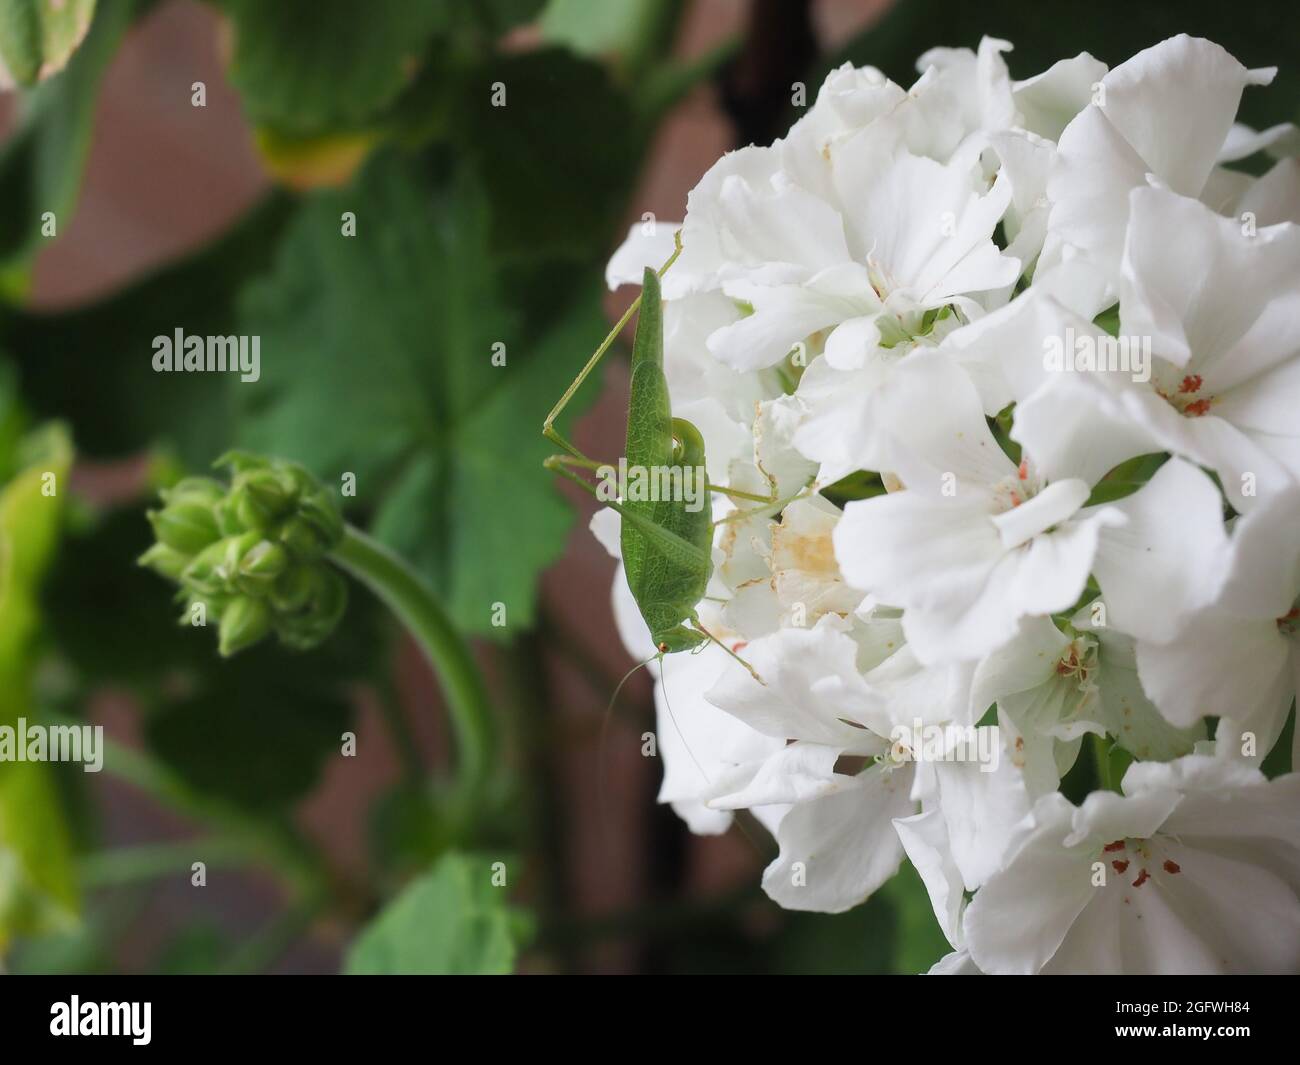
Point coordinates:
[(1223, 313), (835, 829), (835, 690), (798, 582), (961, 98), (922, 240), (925, 839), (1167, 113), (702, 748), (787, 232), (879, 308), (1052, 687), (980, 804), (1239, 657), (1219, 311), (812, 690), (839, 847), (1195, 869), (839, 394), (1049, 101), (973, 543)]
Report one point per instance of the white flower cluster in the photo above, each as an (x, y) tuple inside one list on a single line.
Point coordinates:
[(1018, 363)]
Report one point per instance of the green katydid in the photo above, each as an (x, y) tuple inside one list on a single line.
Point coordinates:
[(666, 545)]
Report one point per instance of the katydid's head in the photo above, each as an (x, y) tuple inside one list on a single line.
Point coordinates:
[(678, 638)]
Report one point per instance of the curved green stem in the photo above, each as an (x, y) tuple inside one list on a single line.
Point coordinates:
[(403, 592), (127, 865)]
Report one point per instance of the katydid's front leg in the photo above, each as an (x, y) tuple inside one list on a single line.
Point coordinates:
[(548, 427), (695, 621)]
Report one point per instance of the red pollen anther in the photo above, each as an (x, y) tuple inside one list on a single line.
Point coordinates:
[(1118, 845), (1143, 877), (1120, 866), (1191, 383), (1195, 410), (1171, 867), (1023, 471)]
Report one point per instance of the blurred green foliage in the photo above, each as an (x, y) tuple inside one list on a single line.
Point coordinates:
[(38, 888), (452, 919), (396, 330), (41, 163)]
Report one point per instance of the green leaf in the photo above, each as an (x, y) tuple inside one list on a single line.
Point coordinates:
[(1109, 320), (314, 66), (609, 28), (378, 360), (1126, 478), (41, 163), (38, 890), (38, 36), (557, 159), (450, 921), (121, 405), (859, 485)]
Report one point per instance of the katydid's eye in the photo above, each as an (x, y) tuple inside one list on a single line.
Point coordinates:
[(663, 648)]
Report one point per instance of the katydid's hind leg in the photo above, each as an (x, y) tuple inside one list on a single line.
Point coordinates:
[(668, 541), (561, 464)]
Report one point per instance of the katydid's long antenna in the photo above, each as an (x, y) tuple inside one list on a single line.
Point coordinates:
[(601, 744), (680, 734), (735, 820)]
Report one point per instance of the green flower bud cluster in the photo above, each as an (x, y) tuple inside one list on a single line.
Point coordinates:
[(252, 553)]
